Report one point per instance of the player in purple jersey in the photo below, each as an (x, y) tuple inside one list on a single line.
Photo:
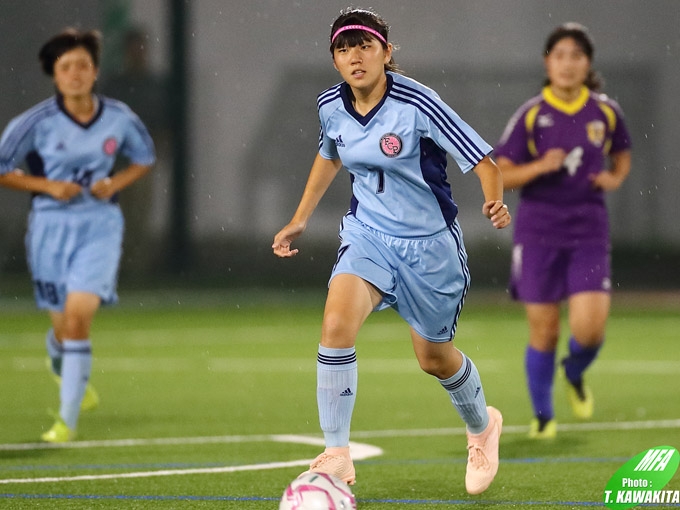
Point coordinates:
[(564, 148), (74, 240), (401, 243)]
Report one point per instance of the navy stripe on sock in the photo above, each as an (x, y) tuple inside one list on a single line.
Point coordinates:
[(337, 360), (54, 343), (463, 379), (78, 350)]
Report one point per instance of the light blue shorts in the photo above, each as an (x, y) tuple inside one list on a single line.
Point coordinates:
[(424, 279), (74, 252)]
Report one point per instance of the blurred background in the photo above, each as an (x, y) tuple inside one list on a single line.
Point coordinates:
[(228, 90)]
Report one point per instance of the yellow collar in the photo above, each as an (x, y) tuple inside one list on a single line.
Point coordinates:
[(570, 108)]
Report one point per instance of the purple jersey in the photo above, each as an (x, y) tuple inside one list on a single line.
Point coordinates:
[(562, 208)]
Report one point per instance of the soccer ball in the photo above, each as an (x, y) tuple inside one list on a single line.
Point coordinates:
[(317, 491)]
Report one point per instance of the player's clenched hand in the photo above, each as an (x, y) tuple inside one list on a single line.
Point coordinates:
[(285, 237), (497, 212), (103, 189), (605, 180), (553, 159), (63, 190)]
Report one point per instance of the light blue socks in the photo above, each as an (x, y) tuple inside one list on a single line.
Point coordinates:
[(465, 389), (336, 390), (75, 373), (54, 351)]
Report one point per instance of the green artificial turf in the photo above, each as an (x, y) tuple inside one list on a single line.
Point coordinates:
[(195, 387)]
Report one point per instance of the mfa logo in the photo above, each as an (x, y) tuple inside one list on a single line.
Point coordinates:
[(641, 480), (390, 145)]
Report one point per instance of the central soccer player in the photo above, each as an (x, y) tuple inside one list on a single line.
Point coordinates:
[(401, 245)]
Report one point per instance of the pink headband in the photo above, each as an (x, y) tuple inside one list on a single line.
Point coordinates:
[(358, 27)]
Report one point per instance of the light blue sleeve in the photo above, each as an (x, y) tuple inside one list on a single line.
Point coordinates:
[(327, 148), (15, 144), (445, 127), (138, 145)]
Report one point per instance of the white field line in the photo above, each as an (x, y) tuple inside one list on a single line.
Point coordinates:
[(310, 440), (287, 365), (523, 429), (163, 441), (358, 451)]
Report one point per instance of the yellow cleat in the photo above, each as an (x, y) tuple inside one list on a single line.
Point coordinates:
[(581, 401), (91, 397), (59, 433), (547, 431)]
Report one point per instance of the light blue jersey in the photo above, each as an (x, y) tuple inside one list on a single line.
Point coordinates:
[(74, 245), (396, 155), (56, 146)]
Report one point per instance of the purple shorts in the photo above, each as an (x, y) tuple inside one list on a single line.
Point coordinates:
[(547, 274)]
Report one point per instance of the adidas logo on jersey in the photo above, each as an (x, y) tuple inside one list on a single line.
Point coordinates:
[(339, 142), (346, 393), (443, 330)]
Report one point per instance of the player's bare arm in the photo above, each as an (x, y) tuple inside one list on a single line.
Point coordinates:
[(60, 190), (320, 178), (516, 176), (106, 188), (610, 180), (492, 187)]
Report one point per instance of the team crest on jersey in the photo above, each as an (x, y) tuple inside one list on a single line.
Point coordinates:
[(596, 132), (390, 145), (110, 146)]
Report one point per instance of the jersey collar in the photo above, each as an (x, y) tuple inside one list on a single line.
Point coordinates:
[(347, 96), (570, 108), (99, 105)]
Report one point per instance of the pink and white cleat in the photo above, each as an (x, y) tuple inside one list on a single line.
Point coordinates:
[(337, 462), (482, 463)]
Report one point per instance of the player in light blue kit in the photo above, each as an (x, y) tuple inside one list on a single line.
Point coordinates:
[(401, 245), (69, 143)]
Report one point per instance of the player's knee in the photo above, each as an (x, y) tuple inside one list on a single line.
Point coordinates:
[(544, 334), (77, 326), (589, 338), (433, 366), (588, 333), (335, 332)]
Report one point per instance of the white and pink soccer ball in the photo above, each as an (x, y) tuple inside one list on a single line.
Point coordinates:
[(317, 491)]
